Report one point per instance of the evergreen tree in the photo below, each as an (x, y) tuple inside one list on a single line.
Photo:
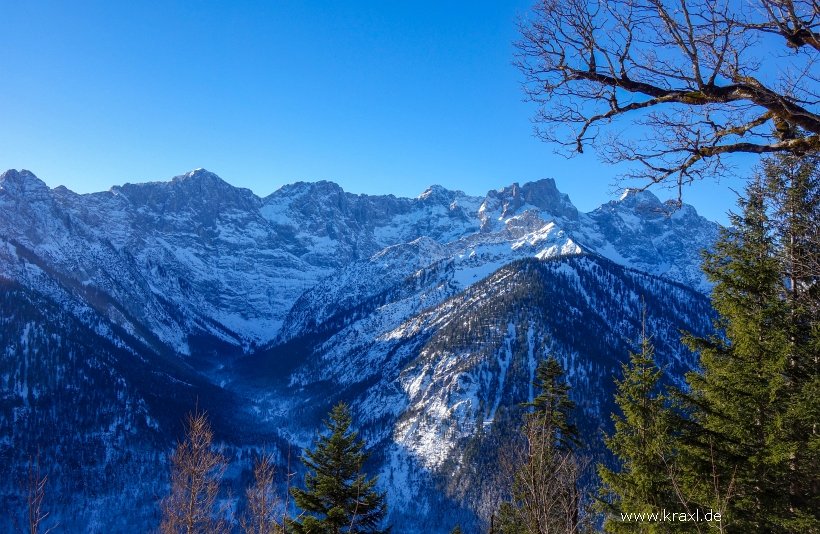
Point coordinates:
[(793, 188), (736, 456), (545, 493), (641, 446), (552, 408), (338, 497)]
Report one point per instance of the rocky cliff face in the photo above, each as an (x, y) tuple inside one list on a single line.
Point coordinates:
[(428, 314)]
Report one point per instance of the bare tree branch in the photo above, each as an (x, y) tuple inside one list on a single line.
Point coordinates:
[(689, 71), (196, 470)]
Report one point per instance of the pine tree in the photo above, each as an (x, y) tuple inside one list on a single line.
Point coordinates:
[(552, 408), (793, 187), (545, 493), (793, 190), (641, 445), (338, 497), (196, 471), (736, 457)]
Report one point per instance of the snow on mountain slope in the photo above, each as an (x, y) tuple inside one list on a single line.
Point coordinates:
[(534, 220), (545, 308), (351, 285), (428, 314), (96, 408), (204, 248), (357, 226), (660, 238), (46, 249), (478, 351), (459, 264), (198, 255), (434, 371)]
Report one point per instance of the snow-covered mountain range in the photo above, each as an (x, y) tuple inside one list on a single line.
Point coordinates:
[(427, 314)]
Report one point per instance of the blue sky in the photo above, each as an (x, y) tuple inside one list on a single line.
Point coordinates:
[(381, 97)]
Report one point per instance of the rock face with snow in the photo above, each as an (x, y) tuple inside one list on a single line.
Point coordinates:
[(428, 314), (641, 231)]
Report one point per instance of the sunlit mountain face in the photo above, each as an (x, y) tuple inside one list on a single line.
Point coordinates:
[(121, 311)]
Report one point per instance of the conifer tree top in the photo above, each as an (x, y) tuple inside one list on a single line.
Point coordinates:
[(552, 407), (338, 497)]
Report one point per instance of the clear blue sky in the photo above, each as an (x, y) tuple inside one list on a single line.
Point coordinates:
[(379, 96)]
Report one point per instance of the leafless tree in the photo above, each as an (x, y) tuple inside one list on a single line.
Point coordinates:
[(196, 470), (260, 516), (289, 474), (547, 490), (36, 492), (703, 79), (550, 479)]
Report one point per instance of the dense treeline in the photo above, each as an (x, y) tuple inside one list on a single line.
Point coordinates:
[(89, 404), (65, 405), (740, 439)]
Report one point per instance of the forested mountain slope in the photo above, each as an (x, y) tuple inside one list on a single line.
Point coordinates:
[(123, 310)]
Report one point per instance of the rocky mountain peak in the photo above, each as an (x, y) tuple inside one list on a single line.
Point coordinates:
[(199, 176), (641, 202), (23, 183), (542, 195), (322, 188), (199, 191), (204, 182), (438, 194)]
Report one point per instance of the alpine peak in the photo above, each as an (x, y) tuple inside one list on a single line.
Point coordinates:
[(436, 192), (22, 183)]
